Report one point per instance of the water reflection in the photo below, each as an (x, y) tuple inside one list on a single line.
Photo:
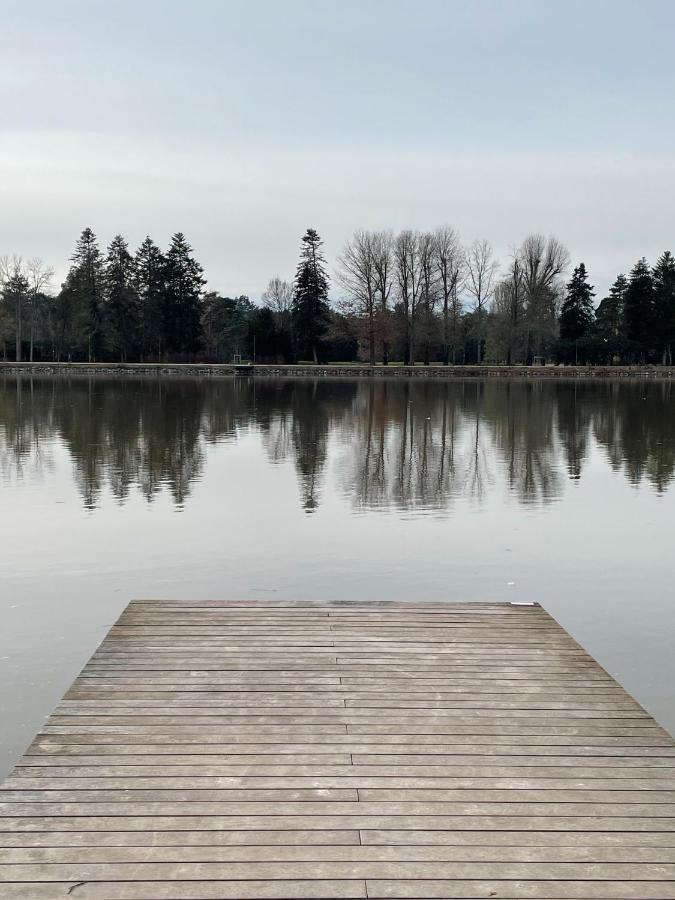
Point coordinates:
[(395, 444)]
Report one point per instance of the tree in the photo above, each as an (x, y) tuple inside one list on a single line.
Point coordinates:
[(121, 299), (505, 334), (15, 295), (311, 313), (383, 242), (407, 265), (450, 267), (6, 328), (182, 298), (481, 268), (663, 276), (428, 294), (263, 335), (85, 286), (609, 321), (577, 314), (149, 284), (26, 281), (278, 296), (542, 261), (225, 324), (358, 276), (39, 278), (639, 311), (62, 322)]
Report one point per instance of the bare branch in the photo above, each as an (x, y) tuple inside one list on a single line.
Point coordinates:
[(278, 296), (482, 269)]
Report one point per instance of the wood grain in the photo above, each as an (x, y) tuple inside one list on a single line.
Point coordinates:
[(214, 750)]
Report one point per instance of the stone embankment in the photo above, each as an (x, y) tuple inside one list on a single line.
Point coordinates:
[(202, 370)]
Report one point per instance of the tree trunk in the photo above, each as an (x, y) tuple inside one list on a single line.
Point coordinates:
[(32, 329), (18, 330), (371, 339)]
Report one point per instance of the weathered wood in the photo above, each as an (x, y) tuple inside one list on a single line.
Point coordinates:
[(215, 749)]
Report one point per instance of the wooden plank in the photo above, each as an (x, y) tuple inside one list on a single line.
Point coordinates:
[(338, 853), (330, 870), (241, 749)]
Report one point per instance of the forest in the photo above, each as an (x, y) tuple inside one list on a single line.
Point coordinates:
[(410, 297)]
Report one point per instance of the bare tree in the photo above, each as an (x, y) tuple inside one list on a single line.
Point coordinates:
[(278, 296), (408, 282), (383, 262), (481, 269), (357, 275), (542, 262), (22, 283), (428, 291), (39, 279), (450, 267), (508, 314)]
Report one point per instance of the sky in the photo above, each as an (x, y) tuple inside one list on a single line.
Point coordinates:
[(243, 123)]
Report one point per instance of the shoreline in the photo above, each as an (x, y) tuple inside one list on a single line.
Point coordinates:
[(333, 370)]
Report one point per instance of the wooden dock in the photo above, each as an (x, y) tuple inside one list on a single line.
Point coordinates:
[(248, 750)]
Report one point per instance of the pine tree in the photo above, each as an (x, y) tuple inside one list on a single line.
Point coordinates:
[(639, 311), (664, 305), (182, 296), (85, 285), (15, 296), (577, 313), (609, 321), (149, 283), (121, 298), (311, 314)]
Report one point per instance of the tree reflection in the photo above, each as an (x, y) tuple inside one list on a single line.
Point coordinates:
[(636, 427), (395, 444), (525, 428)]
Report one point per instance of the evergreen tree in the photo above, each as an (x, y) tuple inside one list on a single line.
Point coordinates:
[(149, 283), (664, 305), (263, 337), (609, 322), (311, 313), (225, 325), (639, 311), (85, 286), (182, 298), (577, 314), (63, 323), (15, 296), (121, 298)]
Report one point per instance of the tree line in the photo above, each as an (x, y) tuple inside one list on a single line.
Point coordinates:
[(411, 297)]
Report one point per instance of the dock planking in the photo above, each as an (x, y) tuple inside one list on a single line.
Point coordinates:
[(264, 750)]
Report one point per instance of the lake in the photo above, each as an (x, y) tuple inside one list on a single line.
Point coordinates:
[(111, 489)]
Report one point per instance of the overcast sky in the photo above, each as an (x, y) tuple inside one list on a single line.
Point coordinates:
[(242, 123)]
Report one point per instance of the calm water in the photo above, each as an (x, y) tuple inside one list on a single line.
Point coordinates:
[(110, 490)]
